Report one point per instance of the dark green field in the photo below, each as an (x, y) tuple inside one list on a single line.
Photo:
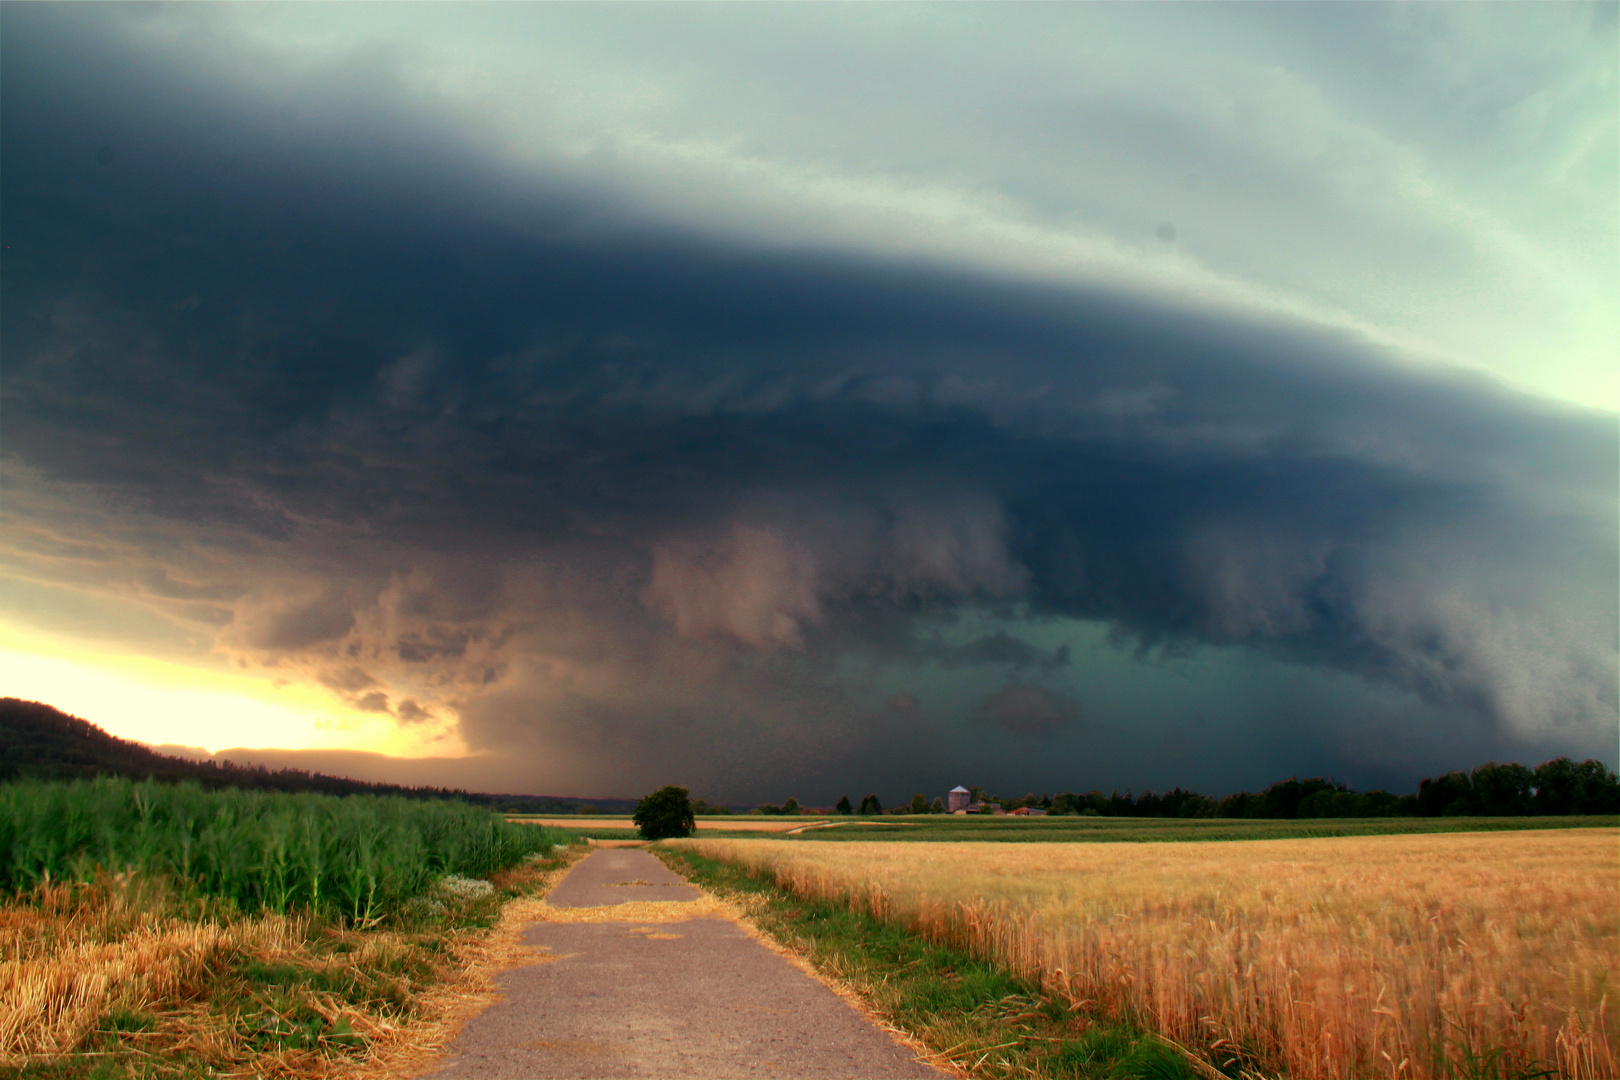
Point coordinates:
[(1107, 830)]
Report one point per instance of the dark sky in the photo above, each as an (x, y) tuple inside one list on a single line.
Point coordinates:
[(312, 369)]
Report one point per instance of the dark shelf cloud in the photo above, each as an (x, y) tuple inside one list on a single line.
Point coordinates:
[(329, 384)]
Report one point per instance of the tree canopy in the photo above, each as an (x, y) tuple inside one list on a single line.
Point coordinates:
[(665, 813)]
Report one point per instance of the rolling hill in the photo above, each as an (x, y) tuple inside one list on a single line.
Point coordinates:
[(39, 741)]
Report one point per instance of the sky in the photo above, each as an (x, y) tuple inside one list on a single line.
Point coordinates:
[(816, 399)]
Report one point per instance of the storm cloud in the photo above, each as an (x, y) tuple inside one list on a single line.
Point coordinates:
[(322, 380)]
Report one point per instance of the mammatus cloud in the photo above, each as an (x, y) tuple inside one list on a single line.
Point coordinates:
[(345, 398)]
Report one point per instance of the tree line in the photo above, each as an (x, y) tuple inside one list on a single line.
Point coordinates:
[(1557, 787), (38, 741)]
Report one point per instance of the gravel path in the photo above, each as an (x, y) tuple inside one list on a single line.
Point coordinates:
[(619, 876), (691, 998)]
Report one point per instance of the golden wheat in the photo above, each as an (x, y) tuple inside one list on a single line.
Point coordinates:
[(1400, 956), (74, 956), (65, 964)]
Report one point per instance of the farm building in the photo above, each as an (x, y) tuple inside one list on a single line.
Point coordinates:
[(957, 798)]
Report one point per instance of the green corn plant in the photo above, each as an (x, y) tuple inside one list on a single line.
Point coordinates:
[(359, 858)]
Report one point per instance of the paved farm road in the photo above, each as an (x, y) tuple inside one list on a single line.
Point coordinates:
[(696, 998)]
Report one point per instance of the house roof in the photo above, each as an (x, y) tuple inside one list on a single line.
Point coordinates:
[(957, 788)]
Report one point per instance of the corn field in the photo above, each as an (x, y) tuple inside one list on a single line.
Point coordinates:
[(357, 858)]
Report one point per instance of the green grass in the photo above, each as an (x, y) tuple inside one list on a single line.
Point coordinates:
[(1104, 830), (607, 834), (358, 858), (974, 1013)]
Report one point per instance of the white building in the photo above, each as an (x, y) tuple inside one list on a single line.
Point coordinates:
[(957, 798)]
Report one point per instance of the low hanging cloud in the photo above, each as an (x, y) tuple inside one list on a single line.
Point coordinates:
[(757, 587), (624, 501), (1030, 711), (763, 584)]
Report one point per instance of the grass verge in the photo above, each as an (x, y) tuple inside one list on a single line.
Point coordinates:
[(975, 1018), (126, 978)]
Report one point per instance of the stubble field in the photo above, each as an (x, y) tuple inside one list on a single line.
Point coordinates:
[(1399, 956)]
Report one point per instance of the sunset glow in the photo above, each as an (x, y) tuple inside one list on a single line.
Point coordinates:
[(162, 702)]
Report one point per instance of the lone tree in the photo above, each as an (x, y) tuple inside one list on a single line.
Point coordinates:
[(843, 806), (870, 805), (666, 812)]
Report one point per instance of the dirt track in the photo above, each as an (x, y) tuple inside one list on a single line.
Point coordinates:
[(663, 995)]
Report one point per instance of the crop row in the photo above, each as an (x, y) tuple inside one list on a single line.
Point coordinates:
[(355, 858)]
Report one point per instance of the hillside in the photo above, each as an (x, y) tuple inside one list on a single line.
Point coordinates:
[(42, 742)]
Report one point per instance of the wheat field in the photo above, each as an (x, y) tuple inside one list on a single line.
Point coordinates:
[(1392, 956)]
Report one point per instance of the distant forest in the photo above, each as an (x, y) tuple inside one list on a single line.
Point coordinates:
[(1555, 787), (38, 741)]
